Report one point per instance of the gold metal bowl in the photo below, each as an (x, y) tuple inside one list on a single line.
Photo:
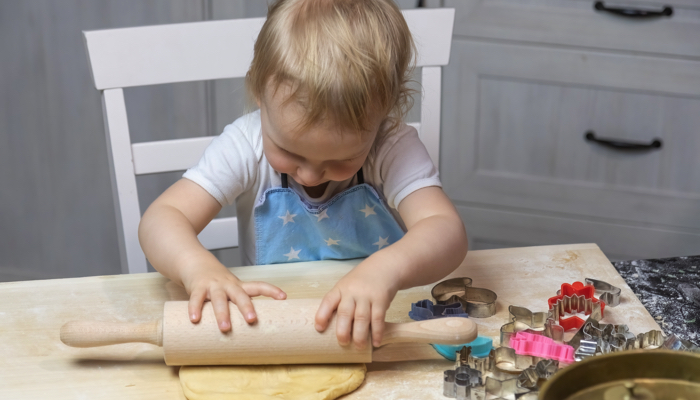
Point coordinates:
[(628, 375)]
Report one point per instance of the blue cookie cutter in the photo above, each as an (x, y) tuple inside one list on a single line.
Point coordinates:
[(481, 347), (425, 309)]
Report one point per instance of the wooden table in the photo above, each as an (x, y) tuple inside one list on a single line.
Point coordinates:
[(34, 364)]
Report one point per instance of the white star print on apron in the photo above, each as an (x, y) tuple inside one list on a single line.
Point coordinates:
[(352, 224)]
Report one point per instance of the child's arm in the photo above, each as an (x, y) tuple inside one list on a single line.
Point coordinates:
[(434, 246), (168, 235)]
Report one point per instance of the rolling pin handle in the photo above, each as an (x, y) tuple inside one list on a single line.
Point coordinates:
[(95, 333), (453, 330)]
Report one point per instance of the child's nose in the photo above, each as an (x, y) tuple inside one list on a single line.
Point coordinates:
[(310, 175)]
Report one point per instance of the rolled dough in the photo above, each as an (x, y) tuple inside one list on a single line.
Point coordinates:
[(268, 382)]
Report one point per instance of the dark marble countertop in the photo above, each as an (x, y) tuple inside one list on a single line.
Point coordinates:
[(669, 289)]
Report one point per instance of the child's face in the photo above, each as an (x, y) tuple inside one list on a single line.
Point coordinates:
[(320, 154)]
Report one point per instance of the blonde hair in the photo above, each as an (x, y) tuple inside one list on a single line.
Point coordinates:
[(344, 60)]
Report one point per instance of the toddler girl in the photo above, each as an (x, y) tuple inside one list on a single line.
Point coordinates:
[(325, 169)]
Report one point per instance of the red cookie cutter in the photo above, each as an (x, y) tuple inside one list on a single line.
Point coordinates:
[(574, 289)]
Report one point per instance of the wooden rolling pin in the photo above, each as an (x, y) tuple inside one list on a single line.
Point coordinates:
[(284, 334)]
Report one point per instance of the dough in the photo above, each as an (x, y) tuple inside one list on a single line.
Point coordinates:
[(273, 382)]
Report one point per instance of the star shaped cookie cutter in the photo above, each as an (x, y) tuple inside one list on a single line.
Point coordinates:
[(509, 387), (477, 302), (537, 323)]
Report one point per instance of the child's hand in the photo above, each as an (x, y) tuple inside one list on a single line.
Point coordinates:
[(361, 298), (219, 285)]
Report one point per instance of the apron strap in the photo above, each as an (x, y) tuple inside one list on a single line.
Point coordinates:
[(360, 179)]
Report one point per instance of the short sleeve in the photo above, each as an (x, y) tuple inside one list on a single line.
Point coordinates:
[(229, 164), (404, 166)]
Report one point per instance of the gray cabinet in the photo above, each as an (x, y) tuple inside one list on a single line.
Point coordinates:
[(528, 80)]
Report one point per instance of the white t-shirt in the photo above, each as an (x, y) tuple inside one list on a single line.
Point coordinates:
[(234, 169)]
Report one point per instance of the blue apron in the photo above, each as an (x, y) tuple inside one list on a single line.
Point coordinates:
[(352, 224)]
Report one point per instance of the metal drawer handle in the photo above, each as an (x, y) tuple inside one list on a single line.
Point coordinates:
[(623, 144), (633, 12)]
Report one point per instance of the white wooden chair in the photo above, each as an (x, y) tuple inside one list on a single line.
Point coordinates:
[(210, 50)]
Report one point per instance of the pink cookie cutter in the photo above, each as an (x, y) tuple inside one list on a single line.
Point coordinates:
[(529, 344)]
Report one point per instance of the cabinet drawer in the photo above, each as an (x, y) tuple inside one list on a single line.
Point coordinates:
[(577, 23), (497, 228), (517, 123)]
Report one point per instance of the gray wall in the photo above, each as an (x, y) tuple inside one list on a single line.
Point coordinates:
[(56, 208)]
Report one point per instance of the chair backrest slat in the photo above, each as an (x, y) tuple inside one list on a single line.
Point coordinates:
[(168, 155), (151, 55), (221, 233), (126, 200), (196, 51), (429, 129)]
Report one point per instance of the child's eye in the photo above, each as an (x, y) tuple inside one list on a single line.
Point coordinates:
[(289, 153)]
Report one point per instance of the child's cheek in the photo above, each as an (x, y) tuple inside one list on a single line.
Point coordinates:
[(341, 173), (280, 163)]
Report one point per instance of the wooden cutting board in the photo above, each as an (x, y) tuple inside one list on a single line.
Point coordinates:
[(35, 364)]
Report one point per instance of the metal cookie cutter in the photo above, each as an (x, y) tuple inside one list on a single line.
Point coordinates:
[(477, 302), (538, 323), (506, 359), (575, 341), (673, 342), (530, 377), (504, 387), (464, 357), (586, 348), (462, 389), (610, 294), (458, 382), (595, 338), (650, 340), (608, 337), (502, 358), (561, 305)]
